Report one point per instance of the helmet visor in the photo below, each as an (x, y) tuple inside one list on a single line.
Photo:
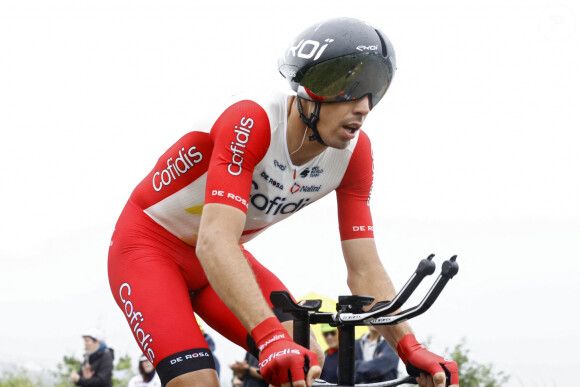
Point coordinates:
[(347, 78)]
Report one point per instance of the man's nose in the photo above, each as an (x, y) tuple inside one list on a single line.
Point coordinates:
[(362, 105)]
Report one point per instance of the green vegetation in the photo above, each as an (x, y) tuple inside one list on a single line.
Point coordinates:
[(19, 378), (61, 377), (472, 373)]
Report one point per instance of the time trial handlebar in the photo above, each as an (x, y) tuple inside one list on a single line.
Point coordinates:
[(350, 312)]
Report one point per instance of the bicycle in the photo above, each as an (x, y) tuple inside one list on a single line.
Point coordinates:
[(351, 313)]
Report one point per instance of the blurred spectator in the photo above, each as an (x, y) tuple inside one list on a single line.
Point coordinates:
[(330, 368), (375, 360), (246, 373), (97, 366), (147, 376)]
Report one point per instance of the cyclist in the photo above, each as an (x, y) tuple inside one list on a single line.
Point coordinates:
[(177, 246)]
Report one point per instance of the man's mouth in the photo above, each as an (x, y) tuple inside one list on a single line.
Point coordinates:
[(352, 128)]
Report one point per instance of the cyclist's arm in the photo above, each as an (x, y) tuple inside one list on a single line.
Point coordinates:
[(233, 280), (241, 136), (367, 276), (225, 265)]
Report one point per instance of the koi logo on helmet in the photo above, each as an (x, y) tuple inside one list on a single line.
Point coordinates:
[(307, 49), (237, 147)]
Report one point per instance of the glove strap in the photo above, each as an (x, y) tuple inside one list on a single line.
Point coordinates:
[(407, 345), (267, 332)]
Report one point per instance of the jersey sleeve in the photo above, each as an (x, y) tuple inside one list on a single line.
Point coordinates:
[(354, 193), (183, 163), (241, 137)]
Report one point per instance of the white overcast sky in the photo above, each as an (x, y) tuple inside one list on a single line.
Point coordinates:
[(476, 153)]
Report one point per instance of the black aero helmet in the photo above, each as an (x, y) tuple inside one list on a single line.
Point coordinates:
[(339, 60)]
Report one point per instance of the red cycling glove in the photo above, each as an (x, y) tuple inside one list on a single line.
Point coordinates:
[(281, 359), (417, 359)]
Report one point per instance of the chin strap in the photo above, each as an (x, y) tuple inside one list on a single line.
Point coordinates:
[(311, 122)]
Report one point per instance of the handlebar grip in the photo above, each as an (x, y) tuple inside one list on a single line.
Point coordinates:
[(426, 266), (450, 267)]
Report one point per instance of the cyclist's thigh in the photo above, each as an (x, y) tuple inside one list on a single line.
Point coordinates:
[(150, 289), (214, 312)]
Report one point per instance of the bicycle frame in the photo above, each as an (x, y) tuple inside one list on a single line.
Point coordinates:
[(351, 313)]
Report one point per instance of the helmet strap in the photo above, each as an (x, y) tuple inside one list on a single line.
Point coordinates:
[(311, 122)]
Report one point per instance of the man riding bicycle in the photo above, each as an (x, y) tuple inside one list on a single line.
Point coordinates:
[(177, 246)]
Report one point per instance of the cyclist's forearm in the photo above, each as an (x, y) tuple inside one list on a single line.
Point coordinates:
[(378, 284), (367, 276), (231, 277), (393, 334), (226, 267)]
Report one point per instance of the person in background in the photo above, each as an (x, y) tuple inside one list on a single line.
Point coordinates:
[(375, 360), (246, 373), (147, 376), (97, 366), (236, 381), (330, 368)]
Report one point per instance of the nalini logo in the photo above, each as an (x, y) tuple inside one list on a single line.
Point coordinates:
[(271, 340), (295, 188), (304, 188), (183, 162), (237, 147)]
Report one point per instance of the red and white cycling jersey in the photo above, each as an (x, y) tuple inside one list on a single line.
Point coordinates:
[(243, 161), (240, 160)]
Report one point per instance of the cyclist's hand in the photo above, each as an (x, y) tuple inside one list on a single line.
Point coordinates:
[(418, 360), (313, 373), (426, 380), (281, 360)]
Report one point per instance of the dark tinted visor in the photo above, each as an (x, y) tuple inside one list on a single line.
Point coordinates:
[(347, 78)]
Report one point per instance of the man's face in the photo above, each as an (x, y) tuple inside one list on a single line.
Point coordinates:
[(331, 338), (90, 344), (340, 121)]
